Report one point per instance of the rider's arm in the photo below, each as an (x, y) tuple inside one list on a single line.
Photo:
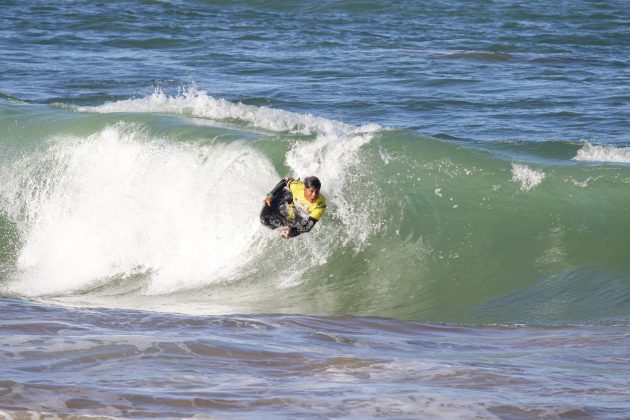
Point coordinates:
[(302, 228), (283, 183)]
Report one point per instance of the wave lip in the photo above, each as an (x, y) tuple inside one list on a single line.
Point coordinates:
[(198, 103)]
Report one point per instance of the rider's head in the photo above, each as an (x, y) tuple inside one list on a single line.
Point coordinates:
[(312, 185)]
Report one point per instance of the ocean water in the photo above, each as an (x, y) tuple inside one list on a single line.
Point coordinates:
[(472, 263)]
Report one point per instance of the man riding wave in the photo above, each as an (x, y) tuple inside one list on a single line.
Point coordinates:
[(293, 206)]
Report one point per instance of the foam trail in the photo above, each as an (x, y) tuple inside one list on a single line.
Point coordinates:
[(593, 153), (120, 202)]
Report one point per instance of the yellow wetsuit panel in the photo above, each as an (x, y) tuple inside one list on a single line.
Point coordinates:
[(301, 205)]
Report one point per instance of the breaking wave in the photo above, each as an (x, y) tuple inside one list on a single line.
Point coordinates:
[(153, 203)]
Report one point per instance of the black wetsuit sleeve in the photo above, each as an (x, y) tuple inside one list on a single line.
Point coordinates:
[(283, 183), (303, 228)]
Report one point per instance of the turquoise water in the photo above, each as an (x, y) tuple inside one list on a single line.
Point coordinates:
[(472, 261)]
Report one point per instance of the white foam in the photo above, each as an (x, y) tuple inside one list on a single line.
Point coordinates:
[(528, 178), (594, 153), (333, 156), (195, 102), (120, 202), (335, 161)]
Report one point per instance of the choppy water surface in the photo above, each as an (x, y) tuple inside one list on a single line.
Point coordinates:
[(125, 363), (473, 261)]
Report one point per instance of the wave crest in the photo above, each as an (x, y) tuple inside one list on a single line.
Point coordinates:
[(197, 103), (594, 153)]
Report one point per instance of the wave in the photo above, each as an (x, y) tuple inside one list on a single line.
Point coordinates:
[(154, 202)]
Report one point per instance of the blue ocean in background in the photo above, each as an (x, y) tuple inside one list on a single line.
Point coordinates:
[(472, 263)]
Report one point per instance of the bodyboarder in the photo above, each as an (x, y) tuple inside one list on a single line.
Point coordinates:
[(293, 206)]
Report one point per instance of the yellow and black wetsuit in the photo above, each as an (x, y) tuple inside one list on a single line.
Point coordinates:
[(289, 207)]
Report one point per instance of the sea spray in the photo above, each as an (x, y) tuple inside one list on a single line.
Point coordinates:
[(599, 153), (528, 178), (119, 202), (123, 202), (333, 156)]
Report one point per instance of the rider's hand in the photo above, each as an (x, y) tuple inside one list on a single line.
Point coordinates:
[(286, 232)]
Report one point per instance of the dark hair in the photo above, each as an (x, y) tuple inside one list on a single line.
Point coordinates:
[(312, 182)]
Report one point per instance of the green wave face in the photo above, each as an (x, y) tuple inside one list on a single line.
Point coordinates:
[(469, 236), (154, 204)]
